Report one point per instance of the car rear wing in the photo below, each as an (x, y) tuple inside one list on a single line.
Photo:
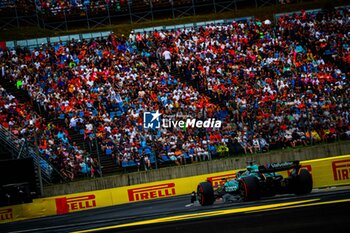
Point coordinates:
[(276, 167)]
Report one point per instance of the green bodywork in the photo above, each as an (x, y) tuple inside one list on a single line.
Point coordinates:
[(232, 186)]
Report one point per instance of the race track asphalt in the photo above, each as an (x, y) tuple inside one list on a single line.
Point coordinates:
[(323, 210)]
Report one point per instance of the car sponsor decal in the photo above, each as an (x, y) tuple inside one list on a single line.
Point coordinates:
[(220, 180)]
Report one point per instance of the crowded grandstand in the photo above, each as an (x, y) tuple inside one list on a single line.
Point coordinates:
[(273, 85)]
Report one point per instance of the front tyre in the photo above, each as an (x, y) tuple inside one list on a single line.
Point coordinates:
[(303, 182), (205, 193)]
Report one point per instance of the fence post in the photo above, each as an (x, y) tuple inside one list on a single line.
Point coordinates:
[(42, 19), (37, 18), (151, 5), (87, 19), (129, 6), (153, 131), (109, 16), (194, 9), (17, 20), (98, 152), (39, 165), (172, 8), (65, 20)]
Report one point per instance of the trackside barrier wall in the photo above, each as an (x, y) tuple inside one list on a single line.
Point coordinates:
[(195, 169), (334, 171), (194, 25), (37, 42)]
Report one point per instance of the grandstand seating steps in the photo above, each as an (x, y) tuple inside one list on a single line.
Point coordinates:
[(106, 162)]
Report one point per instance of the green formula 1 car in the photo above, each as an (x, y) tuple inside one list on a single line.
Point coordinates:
[(258, 181)]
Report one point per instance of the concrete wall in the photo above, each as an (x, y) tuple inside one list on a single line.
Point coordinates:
[(307, 153)]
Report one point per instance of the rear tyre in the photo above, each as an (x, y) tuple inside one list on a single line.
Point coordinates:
[(205, 193), (303, 182), (249, 188)]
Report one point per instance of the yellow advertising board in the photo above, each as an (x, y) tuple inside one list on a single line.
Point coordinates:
[(333, 171)]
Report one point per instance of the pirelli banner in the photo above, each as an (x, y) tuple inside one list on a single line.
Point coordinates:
[(326, 172)]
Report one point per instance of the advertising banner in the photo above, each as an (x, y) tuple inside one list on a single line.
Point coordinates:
[(326, 172)]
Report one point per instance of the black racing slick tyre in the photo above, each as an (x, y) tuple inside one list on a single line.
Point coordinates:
[(303, 182), (249, 188), (205, 193)]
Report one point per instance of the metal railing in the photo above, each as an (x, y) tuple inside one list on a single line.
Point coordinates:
[(23, 149), (195, 25), (130, 12), (37, 42)]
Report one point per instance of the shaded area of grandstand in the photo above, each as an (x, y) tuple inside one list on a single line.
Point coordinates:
[(68, 14), (19, 181)]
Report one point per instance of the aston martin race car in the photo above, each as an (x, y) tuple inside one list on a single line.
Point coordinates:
[(258, 181)]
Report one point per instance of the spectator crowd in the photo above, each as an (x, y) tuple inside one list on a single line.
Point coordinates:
[(272, 86)]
